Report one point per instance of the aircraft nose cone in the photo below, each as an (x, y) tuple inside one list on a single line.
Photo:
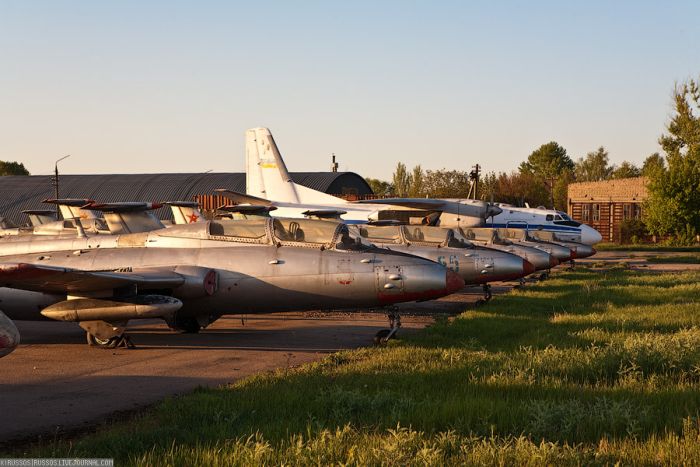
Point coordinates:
[(453, 282), (590, 236), (528, 267), (9, 335)]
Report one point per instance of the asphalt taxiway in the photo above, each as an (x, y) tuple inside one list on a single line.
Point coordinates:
[(54, 383)]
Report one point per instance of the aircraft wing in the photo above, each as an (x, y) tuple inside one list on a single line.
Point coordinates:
[(416, 203), (52, 279)]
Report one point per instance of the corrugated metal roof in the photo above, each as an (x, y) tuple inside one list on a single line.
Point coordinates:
[(18, 193)]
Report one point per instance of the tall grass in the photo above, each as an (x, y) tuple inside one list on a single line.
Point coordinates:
[(589, 367)]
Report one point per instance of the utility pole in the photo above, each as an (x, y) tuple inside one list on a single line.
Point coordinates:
[(474, 182), (55, 182)]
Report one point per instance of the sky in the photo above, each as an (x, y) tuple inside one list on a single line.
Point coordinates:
[(171, 86)]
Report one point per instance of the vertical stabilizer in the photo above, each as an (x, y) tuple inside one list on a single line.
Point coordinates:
[(267, 175), (185, 212)]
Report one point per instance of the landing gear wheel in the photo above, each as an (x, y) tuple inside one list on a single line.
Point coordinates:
[(572, 265), (111, 343), (544, 276), (479, 303), (383, 336), (487, 292), (188, 325)]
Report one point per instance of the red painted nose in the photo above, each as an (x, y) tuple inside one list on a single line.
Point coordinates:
[(528, 267), (453, 282), (553, 261)]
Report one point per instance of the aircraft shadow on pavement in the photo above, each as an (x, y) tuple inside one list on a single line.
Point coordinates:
[(300, 338)]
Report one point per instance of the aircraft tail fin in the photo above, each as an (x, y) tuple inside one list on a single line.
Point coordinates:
[(126, 218), (267, 175), (185, 212), (71, 208)]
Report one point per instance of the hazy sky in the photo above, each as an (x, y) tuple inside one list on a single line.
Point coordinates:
[(171, 86)]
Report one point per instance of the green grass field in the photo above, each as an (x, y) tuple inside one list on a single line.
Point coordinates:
[(586, 368), (645, 247), (677, 259)]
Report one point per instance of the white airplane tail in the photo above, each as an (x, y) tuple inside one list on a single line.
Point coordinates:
[(267, 176)]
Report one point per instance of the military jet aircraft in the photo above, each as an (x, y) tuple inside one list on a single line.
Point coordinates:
[(581, 250), (522, 237), (9, 335), (540, 259), (190, 275), (268, 183), (476, 265)]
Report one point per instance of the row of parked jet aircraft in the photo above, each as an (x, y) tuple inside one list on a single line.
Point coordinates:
[(281, 247)]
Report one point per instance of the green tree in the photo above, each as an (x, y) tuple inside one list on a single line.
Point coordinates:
[(12, 168), (673, 206), (594, 167), (519, 188), (380, 187), (547, 161), (401, 180), (626, 170), (553, 168), (652, 164), (446, 183), (561, 190), (416, 189), (488, 188)]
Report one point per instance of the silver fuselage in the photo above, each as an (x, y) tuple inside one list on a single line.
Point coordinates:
[(265, 275)]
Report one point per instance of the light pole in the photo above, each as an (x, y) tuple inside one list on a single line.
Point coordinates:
[(55, 181)]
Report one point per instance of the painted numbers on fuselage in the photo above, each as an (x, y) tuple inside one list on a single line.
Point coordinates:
[(451, 262)]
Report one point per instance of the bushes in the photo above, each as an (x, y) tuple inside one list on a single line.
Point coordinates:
[(633, 231)]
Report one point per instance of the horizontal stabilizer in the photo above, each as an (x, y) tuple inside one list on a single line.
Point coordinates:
[(324, 213), (76, 202), (122, 207), (242, 198), (246, 209)]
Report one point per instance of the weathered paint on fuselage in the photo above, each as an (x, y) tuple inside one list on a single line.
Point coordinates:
[(251, 277)]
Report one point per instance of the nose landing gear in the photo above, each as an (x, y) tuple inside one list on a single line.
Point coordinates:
[(383, 336)]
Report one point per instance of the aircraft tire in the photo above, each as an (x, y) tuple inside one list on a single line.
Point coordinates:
[(109, 343), (187, 325), (380, 337)]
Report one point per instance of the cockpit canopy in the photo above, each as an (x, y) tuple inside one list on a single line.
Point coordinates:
[(311, 232), (422, 234)]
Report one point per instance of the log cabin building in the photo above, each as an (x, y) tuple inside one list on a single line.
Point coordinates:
[(605, 205)]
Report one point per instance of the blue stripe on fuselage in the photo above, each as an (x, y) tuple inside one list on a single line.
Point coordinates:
[(518, 225)]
